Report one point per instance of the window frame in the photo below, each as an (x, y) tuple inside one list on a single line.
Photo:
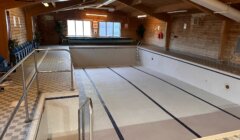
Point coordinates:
[(83, 29), (113, 30)]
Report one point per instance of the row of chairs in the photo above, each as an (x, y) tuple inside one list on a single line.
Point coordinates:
[(18, 53)]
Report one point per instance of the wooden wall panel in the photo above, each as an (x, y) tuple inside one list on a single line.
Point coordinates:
[(3, 34)]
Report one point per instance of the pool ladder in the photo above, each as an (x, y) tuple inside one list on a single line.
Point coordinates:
[(81, 119)]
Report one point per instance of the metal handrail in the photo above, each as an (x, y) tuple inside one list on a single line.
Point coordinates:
[(81, 119), (139, 43), (27, 86)]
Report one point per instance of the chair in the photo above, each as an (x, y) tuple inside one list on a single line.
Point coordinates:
[(4, 68)]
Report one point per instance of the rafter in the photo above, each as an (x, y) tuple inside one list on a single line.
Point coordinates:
[(145, 9), (207, 11), (231, 1), (8, 4), (173, 7), (39, 9)]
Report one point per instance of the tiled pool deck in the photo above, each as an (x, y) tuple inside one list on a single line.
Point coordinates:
[(49, 82)]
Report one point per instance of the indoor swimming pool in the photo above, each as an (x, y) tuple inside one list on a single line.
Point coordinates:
[(136, 100)]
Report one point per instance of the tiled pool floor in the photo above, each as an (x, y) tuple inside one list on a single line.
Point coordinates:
[(133, 105)]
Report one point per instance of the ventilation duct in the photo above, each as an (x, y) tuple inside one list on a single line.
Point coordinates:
[(220, 8)]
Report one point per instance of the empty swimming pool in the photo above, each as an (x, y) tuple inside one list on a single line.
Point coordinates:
[(136, 103)]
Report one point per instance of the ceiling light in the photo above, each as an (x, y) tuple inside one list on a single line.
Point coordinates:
[(45, 4), (96, 15), (141, 16), (178, 11)]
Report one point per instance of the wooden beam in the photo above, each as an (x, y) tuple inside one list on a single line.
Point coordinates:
[(223, 41), (168, 35), (39, 9), (199, 7), (4, 34), (206, 10), (145, 9), (173, 7), (231, 1), (8, 4)]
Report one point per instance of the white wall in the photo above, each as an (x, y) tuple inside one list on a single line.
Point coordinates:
[(43, 128), (207, 80), (103, 56), (62, 118)]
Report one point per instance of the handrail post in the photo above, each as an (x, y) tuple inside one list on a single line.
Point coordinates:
[(36, 70), (79, 125), (72, 83), (90, 119), (83, 123), (25, 93), (81, 119)]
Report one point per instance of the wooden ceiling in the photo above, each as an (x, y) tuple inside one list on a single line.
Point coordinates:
[(162, 7), (156, 8)]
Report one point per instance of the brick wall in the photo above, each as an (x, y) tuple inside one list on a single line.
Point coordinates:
[(46, 23), (153, 27), (201, 38), (17, 25)]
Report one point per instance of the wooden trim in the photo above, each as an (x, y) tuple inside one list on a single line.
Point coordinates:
[(4, 36), (223, 41), (168, 35)]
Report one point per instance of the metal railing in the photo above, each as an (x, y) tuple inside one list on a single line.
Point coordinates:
[(139, 43), (81, 119), (71, 64), (26, 86)]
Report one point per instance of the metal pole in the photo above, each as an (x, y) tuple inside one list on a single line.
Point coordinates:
[(91, 120), (83, 123), (79, 125), (36, 70), (25, 92), (72, 86)]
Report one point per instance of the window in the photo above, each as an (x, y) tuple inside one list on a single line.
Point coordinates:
[(102, 29), (110, 29), (71, 27), (79, 28)]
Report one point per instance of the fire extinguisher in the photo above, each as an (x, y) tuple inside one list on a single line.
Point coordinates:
[(160, 35)]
